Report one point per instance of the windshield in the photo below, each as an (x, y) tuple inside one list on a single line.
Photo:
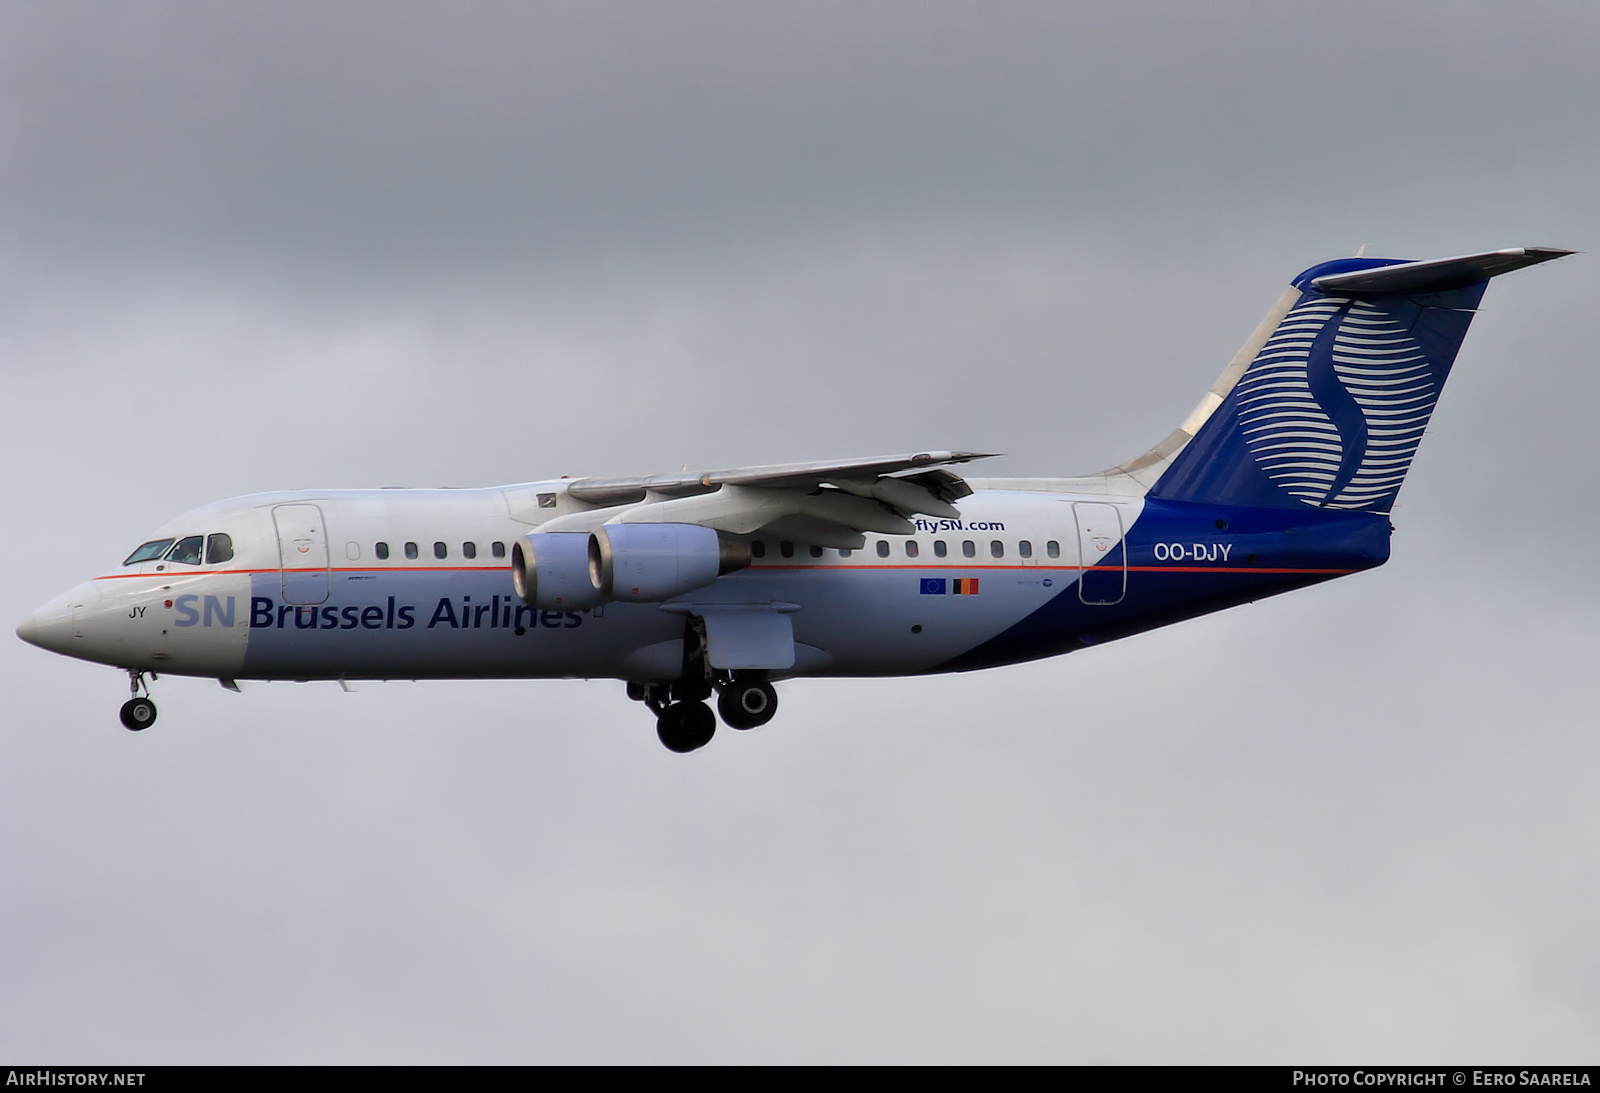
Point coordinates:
[(155, 548), (187, 551)]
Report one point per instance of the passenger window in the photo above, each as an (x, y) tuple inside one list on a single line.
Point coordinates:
[(411, 551), (150, 551), (845, 552), (498, 550), (912, 550), (883, 548), (997, 549), (758, 548), (187, 551), (382, 551), (1025, 549), (440, 550), (469, 549), (939, 549), (219, 548), (969, 549), (816, 552), (1053, 549), (352, 551), (786, 548)]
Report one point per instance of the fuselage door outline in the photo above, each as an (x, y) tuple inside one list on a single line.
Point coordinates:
[(1103, 577), (302, 553)]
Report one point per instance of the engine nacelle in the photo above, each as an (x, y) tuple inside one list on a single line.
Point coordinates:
[(648, 563), (551, 571)]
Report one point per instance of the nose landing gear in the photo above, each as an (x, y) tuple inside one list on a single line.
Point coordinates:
[(138, 713)]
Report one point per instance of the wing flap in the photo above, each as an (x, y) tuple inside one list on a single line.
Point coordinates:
[(629, 490), (826, 503), (741, 510)]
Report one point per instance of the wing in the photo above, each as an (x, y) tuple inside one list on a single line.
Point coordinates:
[(827, 503)]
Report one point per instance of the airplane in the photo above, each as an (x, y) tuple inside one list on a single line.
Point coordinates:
[(722, 582)]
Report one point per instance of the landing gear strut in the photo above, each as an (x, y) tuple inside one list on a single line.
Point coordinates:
[(687, 723), (683, 720), (138, 713)]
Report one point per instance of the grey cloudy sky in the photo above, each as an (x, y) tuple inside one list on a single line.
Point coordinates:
[(246, 247)]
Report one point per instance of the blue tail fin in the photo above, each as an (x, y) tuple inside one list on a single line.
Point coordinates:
[(1331, 408)]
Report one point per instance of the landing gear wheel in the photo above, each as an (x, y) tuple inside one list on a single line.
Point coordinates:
[(685, 726), (747, 703), (138, 714)]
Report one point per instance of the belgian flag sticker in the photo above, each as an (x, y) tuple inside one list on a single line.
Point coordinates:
[(964, 586)]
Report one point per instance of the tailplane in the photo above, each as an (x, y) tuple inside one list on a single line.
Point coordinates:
[(1327, 402)]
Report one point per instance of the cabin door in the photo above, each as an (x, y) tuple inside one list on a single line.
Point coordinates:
[(302, 553), (1102, 558)]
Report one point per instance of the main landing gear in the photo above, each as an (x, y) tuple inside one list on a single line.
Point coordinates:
[(683, 720), (685, 726), (138, 713), (747, 703)]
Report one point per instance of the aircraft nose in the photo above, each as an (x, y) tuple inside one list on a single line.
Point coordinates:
[(31, 630), (51, 627)]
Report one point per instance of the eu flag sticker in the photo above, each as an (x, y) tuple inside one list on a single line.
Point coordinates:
[(933, 586)]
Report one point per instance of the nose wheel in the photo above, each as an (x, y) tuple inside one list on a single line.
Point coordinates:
[(138, 713)]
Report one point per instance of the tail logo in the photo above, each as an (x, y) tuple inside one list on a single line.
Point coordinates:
[(1335, 404)]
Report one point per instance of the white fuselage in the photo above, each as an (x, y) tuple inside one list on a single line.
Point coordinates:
[(416, 584)]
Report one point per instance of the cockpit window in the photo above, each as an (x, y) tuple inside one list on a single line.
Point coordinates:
[(187, 550), (219, 548), (155, 548)]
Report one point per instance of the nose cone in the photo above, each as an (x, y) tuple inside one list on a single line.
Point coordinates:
[(31, 630), (51, 627)]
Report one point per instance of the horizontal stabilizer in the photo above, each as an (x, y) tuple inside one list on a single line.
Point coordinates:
[(1435, 275)]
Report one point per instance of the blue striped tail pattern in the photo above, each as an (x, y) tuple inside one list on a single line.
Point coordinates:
[(1330, 411)]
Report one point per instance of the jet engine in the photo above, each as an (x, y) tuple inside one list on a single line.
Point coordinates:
[(648, 563), (551, 571)]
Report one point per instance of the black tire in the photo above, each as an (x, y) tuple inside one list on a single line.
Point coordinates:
[(138, 714), (747, 703), (686, 726)]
